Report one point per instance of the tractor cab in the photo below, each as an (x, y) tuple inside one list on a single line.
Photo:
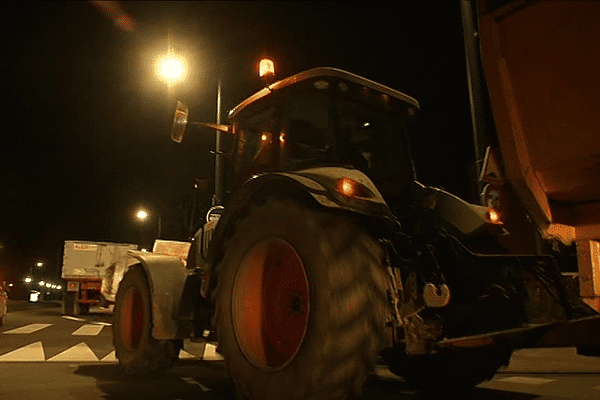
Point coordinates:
[(326, 117)]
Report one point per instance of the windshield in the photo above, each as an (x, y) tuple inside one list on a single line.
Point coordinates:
[(310, 127), (375, 141)]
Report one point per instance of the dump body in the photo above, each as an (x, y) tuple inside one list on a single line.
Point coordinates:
[(540, 65), (88, 268)]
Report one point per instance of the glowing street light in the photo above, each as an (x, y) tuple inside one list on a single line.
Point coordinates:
[(40, 265), (28, 280), (142, 215), (171, 68), (42, 283)]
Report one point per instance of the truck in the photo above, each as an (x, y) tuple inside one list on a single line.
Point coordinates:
[(326, 254), (89, 272)]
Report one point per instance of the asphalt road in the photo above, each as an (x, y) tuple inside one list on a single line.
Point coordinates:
[(45, 355)]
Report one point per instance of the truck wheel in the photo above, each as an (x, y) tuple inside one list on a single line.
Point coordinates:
[(300, 303), (455, 370), (135, 347), (83, 309), (70, 303)]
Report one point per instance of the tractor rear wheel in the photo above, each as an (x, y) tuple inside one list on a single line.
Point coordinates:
[(135, 347), (300, 303)]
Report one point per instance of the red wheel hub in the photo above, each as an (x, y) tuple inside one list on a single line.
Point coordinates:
[(270, 304), (132, 318)]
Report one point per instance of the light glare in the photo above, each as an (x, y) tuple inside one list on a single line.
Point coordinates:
[(266, 67), (171, 68)]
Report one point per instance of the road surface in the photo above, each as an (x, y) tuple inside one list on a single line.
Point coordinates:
[(47, 355)]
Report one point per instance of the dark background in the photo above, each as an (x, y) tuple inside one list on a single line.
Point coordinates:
[(85, 133)]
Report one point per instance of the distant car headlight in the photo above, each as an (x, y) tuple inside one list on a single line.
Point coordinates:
[(34, 296)]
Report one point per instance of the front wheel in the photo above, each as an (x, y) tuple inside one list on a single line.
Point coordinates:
[(300, 303), (135, 347)]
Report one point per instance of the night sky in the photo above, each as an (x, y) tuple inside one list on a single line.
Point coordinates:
[(85, 133)]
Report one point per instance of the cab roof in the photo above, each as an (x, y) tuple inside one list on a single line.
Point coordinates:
[(322, 72)]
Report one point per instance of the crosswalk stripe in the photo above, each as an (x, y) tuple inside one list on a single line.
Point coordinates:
[(31, 352), (73, 318), (210, 353), (79, 352), (184, 355), (101, 323), (111, 357), (27, 329), (88, 330), (525, 379)]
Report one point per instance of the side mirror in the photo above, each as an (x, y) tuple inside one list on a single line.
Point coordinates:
[(180, 122)]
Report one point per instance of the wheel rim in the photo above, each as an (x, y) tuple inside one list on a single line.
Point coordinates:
[(132, 318), (270, 304)]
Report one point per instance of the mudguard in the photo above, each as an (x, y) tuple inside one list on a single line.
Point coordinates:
[(466, 217), (318, 183), (166, 276)]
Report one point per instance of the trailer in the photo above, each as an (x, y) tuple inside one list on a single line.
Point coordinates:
[(89, 271)]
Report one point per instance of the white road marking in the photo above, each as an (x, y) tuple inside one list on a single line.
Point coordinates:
[(73, 318), (31, 352), (525, 379), (88, 330), (111, 357), (27, 329), (184, 355), (101, 323), (192, 381), (210, 353), (79, 352)]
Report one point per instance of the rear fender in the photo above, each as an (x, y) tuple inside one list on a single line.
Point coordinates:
[(318, 184), (166, 279), (466, 218), (321, 184)]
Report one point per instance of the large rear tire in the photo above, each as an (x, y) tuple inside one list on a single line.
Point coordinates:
[(135, 347), (300, 303)]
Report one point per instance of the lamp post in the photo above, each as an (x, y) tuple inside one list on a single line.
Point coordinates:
[(172, 68), (266, 72), (143, 215)]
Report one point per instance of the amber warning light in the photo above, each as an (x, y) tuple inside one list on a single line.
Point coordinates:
[(493, 216), (266, 67), (350, 188)]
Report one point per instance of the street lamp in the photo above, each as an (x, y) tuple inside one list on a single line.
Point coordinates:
[(171, 68), (142, 215), (38, 264)]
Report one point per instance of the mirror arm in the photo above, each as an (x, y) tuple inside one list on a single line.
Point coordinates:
[(217, 127)]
